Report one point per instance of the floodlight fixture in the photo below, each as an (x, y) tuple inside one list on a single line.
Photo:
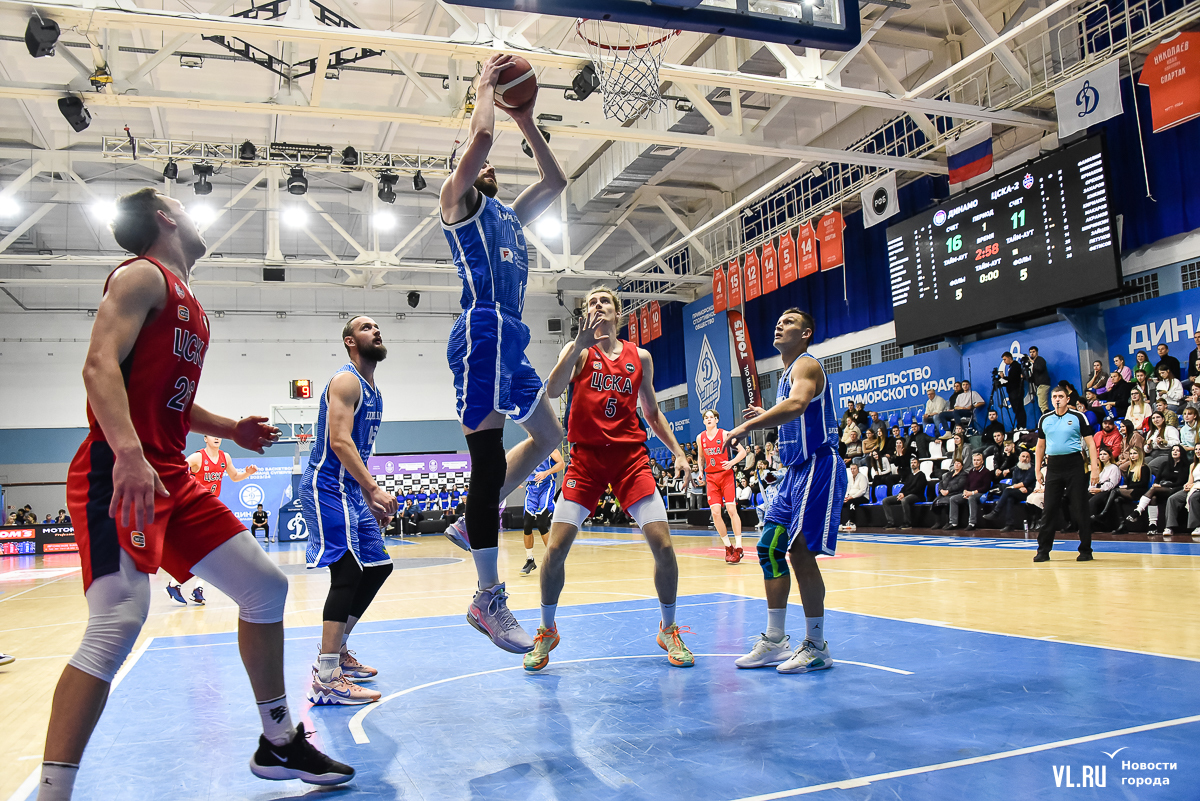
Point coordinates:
[(297, 184), (387, 184)]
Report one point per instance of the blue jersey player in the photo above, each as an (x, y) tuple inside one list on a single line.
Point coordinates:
[(803, 516), (346, 513), (492, 378), (539, 503)]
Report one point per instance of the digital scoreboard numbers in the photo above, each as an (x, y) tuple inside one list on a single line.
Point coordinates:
[(1040, 236)]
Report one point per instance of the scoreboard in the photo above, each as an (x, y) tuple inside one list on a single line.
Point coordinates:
[(1039, 236)]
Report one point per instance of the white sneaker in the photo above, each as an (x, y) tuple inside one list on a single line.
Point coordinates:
[(766, 652), (1168, 533), (807, 659), (842, 527), (851, 527), (339, 691)]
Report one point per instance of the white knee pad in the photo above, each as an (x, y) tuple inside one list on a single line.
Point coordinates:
[(648, 510), (239, 568), (117, 607), (569, 512)]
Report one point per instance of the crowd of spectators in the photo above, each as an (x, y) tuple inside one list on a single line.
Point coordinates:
[(25, 516)]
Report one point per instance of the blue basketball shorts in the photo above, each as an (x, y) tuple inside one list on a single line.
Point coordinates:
[(810, 501), (539, 498), (486, 353), (338, 519)]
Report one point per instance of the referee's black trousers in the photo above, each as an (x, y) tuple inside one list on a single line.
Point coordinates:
[(1065, 481)]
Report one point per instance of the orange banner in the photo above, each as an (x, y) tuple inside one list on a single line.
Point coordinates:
[(753, 287), (720, 298), (735, 285), (787, 259), (644, 326), (1172, 71), (806, 249), (829, 231), (633, 328), (770, 269), (655, 320), (747, 369)]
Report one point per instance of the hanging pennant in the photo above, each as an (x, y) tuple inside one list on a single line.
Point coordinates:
[(720, 298), (633, 328), (655, 320), (787, 259), (735, 285), (753, 286), (644, 325), (829, 231), (770, 268), (806, 251)]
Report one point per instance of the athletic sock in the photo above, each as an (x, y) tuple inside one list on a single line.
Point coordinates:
[(1152, 513), (277, 720), (775, 624), (815, 630), (528, 553), (1143, 502), (668, 614), (548, 611), (328, 666), (58, 781), (738, 541), (486, 567), (726, 541)]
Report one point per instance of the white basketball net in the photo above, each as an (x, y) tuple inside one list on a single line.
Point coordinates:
[(627, 59)]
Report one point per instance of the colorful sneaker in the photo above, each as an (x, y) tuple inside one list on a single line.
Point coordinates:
[(457, 533), (547, 640), (670, 641), (807, 659), (198, 595), (339, 691), (738, 553), (766, 652), (354, 670), (297, 760), (730, 555), (489, 614), (176, 595), (529, 567)]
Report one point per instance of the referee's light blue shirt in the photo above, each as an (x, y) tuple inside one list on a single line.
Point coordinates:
[(1063, 433)]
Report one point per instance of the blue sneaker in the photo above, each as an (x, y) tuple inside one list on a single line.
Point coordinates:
[(176, 595), (489, 614), (457, 533), (198, 595)]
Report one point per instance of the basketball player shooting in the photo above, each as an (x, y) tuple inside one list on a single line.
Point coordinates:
[(718, 480), (209, 466), (802, 519), (136, 507), (492, 378), (608, 378)]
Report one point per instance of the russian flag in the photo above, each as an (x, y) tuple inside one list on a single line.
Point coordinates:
[(970, 156)]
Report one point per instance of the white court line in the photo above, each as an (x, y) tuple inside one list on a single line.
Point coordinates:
[(360, 735), (863, 781), (38, 587)]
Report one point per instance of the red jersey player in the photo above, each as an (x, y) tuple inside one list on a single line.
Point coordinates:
[(136, 508), (608, 378), (718, 478)]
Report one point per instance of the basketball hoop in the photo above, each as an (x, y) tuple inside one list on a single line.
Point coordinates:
[(304, 441), (627, 59)]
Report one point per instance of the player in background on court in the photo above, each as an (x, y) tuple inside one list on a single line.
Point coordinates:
[(492, 378), (346, 512), (803, 517), (136, 507), (539, 503), (718, 478), (608, 377), (209, 466)]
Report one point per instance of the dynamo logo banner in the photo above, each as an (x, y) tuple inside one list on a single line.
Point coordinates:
[(706, 351)]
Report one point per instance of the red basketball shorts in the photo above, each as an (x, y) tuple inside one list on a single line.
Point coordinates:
[(721, 489), (625, 465)]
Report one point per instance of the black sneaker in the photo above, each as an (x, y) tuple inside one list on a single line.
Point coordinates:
[(297, 760), (1041, 556), (1083, 557), (530, 566)]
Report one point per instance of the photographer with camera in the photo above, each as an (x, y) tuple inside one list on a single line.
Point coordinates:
[(1011, 376)]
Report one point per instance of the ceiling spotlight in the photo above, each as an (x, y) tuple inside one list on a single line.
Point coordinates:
[(387, 183), (349, 157), (384, 220), (297, 184), (104, 211), (9, 207), (333, 74), (191, 62), (525, 145), (414, 298), (171, 171), (815, 172), (684, 106), (419, 181), (202, 214), (294, 216), (75, 112), (583, 84), (40, 36), (203, 172), (247, 151), (548, 227)]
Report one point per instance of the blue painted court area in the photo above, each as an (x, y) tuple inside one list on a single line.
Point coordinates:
[(910, 711)]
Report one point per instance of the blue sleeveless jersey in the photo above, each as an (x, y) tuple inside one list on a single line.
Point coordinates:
[(489, 251), (323, 463), (812, 431), (546, 464)]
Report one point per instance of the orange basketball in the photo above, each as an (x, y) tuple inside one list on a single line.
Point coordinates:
[(516, 85)]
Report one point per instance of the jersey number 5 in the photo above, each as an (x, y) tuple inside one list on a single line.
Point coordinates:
[(610, 408)]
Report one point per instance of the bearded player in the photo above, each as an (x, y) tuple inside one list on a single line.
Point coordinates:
[(209, 466), (492, 378), (718, 480), (539, 504), (803, 517), (136, 508), (608, 377)]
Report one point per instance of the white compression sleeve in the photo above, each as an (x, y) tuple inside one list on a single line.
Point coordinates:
[(241, 569)]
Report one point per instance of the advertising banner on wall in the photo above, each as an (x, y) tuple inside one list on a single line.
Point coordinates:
[(706, 350), (1057, 343), (747, 369), (1171, 319), (681, 426), (267, 486), (898, 384)]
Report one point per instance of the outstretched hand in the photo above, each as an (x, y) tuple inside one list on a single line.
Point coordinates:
[(589, 329), (255, 433), (683, 470), (492, 68)]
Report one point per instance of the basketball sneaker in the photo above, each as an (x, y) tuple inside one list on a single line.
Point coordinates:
[(730, 554), (670, 641), (547, 640), (198, 595), (176, 595), (489, 614), (457, 533), (6, 659), (339, 691), (766, 652), (738, 553), (354, 670), (297, 760), (807, 659), (529, 567)]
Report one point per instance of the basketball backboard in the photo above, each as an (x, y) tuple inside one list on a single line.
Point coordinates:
[(828, 24)]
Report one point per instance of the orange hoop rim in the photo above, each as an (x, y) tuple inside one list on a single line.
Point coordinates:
[(302, 437), (621, 48)]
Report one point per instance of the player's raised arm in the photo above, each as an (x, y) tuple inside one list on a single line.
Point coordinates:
[(570, 359), (253, 433), (537, 197), (657, 420), (458, 193)]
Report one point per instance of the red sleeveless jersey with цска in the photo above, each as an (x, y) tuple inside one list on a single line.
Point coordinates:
[(211, 472), (715, 453), (604, 398), (161, 373)]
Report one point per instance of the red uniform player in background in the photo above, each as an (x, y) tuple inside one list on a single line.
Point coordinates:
[(718, 478)]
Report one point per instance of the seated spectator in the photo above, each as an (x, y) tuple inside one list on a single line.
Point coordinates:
[(1142, 365), (1160, 438), (934, 406), (1082, 407), (869, 446), (1104, 491), (1193, 399), (1115, 391), (879, 470), (1189, 432), (847, 418), (963, 407), (1132, 438), (900, 456), (1193, 363), (1189, 497), (1109, 437), (878, 424), (979, 481), (955, 391), (410, 517), (1137, 481), (655, 470), (950, 486), (1099, 376), (1005, 462), (960, 451), (852, 449), (856, 495), (912, 492), (1138, 409), (772, 454), (993, 425), (49, 521), (1169, 389), (1165, 359), (1017, 492), (745, 495), (12, 519), (995, 444), (1169, 478), (1161, 407), (1146, 385), (918, 441), (1094, 404), (861, 418)]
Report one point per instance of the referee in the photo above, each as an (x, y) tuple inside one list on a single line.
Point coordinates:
[(1062, 435)]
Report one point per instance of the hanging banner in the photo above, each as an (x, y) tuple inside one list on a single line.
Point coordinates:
[(787, 259), (644, 325), (720, 298), (747, 370), (829, 231), (806, 250), (267, 486), (770, 268), (706, 352), (1089, 99), (1172, 71), (655, 320), (633, 328), (753, 286), (735, 285), (879, 200)]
